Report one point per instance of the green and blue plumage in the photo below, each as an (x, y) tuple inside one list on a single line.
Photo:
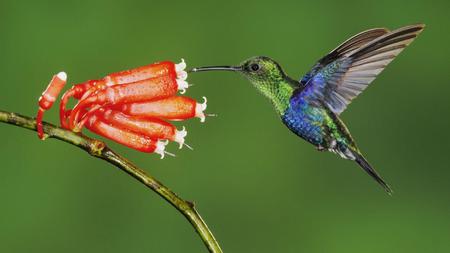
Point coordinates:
[(310, 108)]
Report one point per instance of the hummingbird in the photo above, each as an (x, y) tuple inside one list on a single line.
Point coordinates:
[(311, 107)]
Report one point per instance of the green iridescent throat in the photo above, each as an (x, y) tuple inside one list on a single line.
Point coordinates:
[(278, 92)]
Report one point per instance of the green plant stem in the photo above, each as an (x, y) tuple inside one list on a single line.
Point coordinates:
[(98, 149)]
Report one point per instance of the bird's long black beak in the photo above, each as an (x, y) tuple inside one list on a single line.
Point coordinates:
[(218, 68)]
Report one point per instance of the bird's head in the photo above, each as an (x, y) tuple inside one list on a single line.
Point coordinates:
[(261, 69), (263, 72)]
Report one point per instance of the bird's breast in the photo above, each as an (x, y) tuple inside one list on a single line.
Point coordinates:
[(305, 121)]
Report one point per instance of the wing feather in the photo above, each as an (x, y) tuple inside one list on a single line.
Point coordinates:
[(355, 64), (348, 46)]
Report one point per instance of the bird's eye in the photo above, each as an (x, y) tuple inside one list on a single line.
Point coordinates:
[(254, 67)]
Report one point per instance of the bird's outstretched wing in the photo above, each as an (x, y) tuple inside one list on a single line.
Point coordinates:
[(346, 47), (344, 73)]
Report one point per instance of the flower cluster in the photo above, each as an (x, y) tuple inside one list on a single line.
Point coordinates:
[(131, 107)]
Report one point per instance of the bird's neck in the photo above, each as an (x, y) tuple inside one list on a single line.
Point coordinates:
[(279, 93)]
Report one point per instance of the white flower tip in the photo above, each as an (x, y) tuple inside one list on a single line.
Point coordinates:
[(183, 75), (160, 148), (199, 110), (204, 103), (180, 66), (180, 70), (62, 76), (182, 86), (180, 135)]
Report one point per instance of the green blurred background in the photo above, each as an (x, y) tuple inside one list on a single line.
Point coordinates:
[(259, 187)]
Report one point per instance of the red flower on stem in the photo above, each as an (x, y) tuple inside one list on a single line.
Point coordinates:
[(130, 107)]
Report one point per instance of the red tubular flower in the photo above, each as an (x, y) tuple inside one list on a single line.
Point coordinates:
[(172, 108), (125, 137), (133, 77), (141, 73), (144, 90), (48, 98), (153, 127), (129, 107)]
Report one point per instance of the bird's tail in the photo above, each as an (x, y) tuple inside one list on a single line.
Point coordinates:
[(371, 171)]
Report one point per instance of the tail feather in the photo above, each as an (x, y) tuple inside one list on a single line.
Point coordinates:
[(372, 172)]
